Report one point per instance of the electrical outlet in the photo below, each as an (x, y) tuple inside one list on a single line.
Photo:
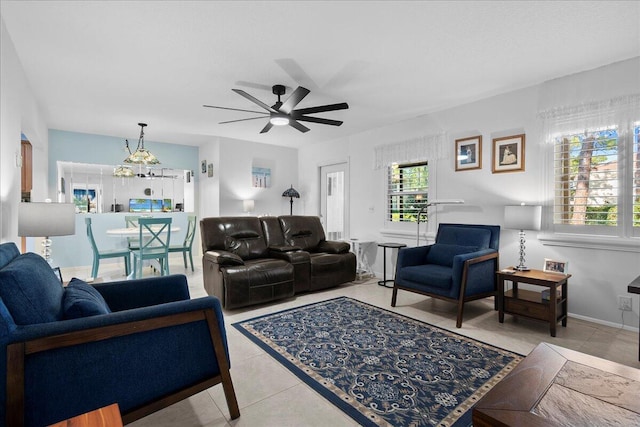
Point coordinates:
[(624, 303)]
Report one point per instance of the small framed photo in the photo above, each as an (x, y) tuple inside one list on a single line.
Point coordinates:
[(469, 153), (555, 266), (203, 166), (508, 154), (210, 170)]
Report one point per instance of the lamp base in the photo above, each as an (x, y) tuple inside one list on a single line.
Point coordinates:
[(521, 268)]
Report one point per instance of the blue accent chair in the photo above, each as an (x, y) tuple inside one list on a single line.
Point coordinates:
[(460, 266), (143, 344)]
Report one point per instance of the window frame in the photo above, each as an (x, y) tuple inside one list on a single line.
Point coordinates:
[(622, 235), (390, 193)]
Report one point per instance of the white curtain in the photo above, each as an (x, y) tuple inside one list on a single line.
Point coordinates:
[(620, 111), (427, 147)]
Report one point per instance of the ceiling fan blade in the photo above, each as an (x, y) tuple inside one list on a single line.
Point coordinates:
[(319, 120), (240, 120), (322, 108), (293, 100), (299, 126), (235, 109), (254, 100), (266, 128)]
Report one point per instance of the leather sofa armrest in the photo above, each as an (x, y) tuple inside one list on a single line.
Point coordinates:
[(223, 258), (285, 248), (332, 247), (292, 257)]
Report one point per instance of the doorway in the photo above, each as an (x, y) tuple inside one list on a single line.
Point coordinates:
[(334, 197)]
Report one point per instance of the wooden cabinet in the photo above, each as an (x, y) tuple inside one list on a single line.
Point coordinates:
[(27, 166)]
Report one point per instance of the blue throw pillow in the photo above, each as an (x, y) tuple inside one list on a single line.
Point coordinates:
[(82, 300), (31, 290), (442, 254)]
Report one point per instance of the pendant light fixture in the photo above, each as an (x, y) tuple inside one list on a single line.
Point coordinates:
[(141, 156), (123, 172)]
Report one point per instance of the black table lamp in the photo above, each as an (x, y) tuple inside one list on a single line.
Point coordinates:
[(291, 193)]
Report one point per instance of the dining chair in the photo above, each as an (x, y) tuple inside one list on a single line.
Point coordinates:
[(110, 253), (154, 235), (131, 221), (185, 248)]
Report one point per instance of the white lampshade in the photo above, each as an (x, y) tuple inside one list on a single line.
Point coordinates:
[(523, 217), (248, 205), (39, 219)]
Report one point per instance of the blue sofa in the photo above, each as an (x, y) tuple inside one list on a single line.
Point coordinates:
[(460, 266), (64, 351)]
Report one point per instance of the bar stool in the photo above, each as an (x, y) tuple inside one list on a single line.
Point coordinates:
[(384, 247)]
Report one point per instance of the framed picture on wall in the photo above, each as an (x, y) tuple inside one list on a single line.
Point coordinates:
[(468, 153), (210, 170), (508, 154), (203, 166)]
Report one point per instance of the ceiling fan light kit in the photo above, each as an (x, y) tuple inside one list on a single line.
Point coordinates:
[(283, 113)]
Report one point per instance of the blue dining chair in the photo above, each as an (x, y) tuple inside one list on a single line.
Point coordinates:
[(185, 247), (154, 235), (102, 254)]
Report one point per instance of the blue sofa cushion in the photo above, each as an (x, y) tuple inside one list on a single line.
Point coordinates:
[(31, 291), (442, 254), (430, 275), (464, 236), (82, 300)]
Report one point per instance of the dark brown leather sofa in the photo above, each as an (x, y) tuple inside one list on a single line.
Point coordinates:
[(250, 260)]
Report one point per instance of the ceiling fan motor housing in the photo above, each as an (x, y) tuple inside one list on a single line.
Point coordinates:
[(278, 90)]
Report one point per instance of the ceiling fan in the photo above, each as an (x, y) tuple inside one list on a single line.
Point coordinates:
[(283, 113)]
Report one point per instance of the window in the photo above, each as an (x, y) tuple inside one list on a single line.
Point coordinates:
[(407, 191), (597, 181)]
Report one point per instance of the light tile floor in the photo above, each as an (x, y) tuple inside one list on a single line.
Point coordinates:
[(269, 395)]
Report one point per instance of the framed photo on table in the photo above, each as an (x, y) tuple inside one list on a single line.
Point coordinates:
[(508, 154), (468, 153), (555, 266)]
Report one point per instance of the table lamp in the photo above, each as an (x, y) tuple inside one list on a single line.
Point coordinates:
[(522, 217), (248, 205), (43, 219)]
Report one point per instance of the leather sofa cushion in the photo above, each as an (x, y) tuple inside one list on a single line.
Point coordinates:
[(31, 291), (83, 300), (242, 236), (306, 232), (464, 236), (442, 254)]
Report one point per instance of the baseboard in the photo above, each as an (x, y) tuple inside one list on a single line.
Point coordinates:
[(604, 322)]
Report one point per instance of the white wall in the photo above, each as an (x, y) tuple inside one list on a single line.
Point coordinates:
[(599, 276), (235, 161), (19, 113)]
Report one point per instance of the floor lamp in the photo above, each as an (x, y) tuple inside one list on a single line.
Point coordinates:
[(424, 210), (291, 193), (38, 219), (522, 217)]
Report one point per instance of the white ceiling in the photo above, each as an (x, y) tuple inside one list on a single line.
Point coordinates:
[(103, 66)]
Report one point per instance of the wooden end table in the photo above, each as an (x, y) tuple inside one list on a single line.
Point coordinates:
[(526, 303), (555, 386)]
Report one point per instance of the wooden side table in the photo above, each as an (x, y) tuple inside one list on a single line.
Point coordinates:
[(522, 302), (109, 416)]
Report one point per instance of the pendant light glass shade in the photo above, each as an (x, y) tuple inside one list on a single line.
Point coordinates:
[(141, 156), (123, 172)]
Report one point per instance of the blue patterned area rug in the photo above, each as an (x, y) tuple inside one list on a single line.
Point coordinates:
[(379, 367)]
